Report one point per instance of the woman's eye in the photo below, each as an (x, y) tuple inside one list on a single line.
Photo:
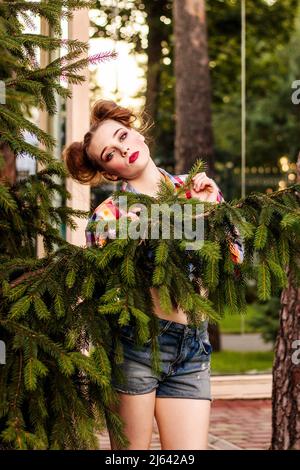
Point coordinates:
[(108, 156)]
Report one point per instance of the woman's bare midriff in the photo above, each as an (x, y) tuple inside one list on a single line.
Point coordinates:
[(177, 315)]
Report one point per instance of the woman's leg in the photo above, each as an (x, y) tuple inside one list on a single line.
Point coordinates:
[(183, 423), (137, 412)]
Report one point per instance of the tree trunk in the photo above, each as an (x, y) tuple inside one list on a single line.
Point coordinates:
[(214, 336), (286, 370), (8, 172), (194, 136)]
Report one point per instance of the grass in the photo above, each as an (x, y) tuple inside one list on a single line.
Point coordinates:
[(239, 362), (235, 362), (232, 323)]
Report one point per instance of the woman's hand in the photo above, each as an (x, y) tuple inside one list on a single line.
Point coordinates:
[(204, 188)]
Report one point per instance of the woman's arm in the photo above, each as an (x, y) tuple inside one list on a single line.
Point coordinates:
[(97, 231)]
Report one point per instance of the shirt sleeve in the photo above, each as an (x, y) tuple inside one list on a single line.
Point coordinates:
[(98, 230), (101, 226), (182, 177)]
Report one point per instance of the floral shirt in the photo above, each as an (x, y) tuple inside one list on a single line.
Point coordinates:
[(109, 210)]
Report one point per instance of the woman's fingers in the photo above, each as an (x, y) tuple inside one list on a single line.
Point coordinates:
[(201, 182), (204, 188), (199, 177)]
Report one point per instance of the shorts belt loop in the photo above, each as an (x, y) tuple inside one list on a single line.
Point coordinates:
[(198, 334)]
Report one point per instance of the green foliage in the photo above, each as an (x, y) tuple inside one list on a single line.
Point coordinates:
[(237, 323), (106, 288), (272, 36), (236, 362), (266, 319), (258, 217), (28, 206), (52, 396)]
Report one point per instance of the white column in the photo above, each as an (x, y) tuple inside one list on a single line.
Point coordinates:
[(77, 125), (43, 124)]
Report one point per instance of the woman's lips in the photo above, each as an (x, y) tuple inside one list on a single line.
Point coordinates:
[(133, 157)]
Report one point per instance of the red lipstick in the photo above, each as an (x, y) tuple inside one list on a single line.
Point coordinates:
[(133, 157)]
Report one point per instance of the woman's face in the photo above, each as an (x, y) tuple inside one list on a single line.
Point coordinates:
[(112, 146)]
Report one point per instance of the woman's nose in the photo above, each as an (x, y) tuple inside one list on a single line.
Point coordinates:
[(124, 153)]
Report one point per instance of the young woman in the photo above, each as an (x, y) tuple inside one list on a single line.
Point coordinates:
[(180, 397)]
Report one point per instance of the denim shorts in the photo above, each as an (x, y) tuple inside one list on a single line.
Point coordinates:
[(185, 363)]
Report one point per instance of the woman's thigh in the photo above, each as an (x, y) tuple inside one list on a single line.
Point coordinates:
[(183, 423), (137, 414)]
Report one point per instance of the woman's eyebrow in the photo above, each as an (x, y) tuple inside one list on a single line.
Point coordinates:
[(115, 133)]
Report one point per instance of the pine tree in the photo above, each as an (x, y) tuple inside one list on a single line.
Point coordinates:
[(285, 393), (52, 394)]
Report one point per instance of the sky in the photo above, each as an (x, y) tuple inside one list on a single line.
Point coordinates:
[(123, 72)]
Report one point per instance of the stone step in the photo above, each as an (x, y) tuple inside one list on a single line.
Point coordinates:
[(245, 386)]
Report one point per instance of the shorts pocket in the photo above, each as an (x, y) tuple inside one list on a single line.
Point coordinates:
[(205, 343)]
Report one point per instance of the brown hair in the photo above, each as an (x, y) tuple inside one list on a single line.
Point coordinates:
[(83, 167)]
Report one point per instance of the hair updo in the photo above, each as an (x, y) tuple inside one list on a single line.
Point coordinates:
[(83, 167)]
